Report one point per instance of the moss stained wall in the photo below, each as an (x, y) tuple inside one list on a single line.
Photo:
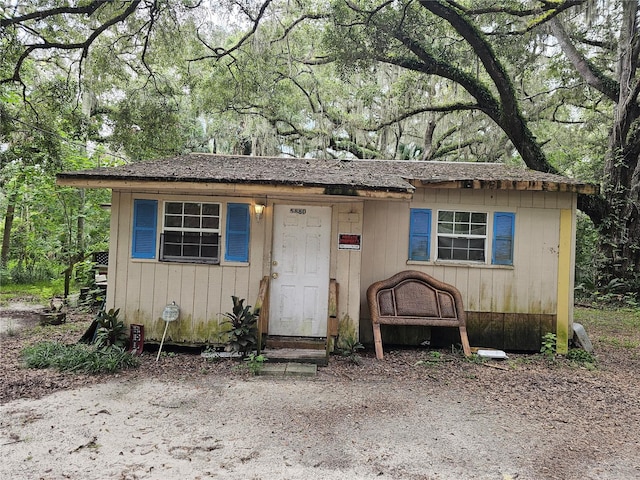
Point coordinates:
[(142, 288), (525, 291)]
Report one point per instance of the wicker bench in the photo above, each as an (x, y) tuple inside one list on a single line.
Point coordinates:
[(415, 298)]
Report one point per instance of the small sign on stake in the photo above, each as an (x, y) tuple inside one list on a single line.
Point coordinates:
[(170, 314), (136, 336)]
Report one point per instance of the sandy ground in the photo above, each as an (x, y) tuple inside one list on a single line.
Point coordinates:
[(265, 428), (403, 418)]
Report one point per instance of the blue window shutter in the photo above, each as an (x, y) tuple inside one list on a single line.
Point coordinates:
[(237, 233), (503, 233), (145, 216), (420, 234)]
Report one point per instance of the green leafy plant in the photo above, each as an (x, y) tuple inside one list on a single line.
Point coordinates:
[(255, 363), (91, 298), (433, 358), (578, 355), (349, 348), (78, 358), (42, 355), (243, 335), (110, 331), (474, 358), (549, 342)]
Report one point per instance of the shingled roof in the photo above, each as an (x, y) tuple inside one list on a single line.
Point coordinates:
[(334, 175)]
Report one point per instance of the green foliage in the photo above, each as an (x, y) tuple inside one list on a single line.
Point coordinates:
[(549, 343), (254, 363), (28, 274), (111, 331), (433, 358), (43, 355), (39, 292), (587, 259), (615, 293), (474, 358), (243, 334), (580, 356), (349, 346), (78, 358), (610, 321)]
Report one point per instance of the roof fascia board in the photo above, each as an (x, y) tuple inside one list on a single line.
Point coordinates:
[(226, 188), (521, 185)]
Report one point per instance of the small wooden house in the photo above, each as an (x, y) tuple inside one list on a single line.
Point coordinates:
[(199, 228)]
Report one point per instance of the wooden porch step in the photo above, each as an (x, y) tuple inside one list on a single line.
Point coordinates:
[(304, 343), (299, 355)]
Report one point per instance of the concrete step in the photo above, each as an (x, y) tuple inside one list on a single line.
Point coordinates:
[(290, 369)]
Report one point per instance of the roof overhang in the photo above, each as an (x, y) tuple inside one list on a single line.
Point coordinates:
[(232, 189), (385, 179), (520, 185)]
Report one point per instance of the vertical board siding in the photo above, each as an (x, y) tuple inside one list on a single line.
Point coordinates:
[(521, 288), (122, 211), (348, 218), (186, 301), (147, 287), (343, 268), (200, 297), (473, 290), (142, 288), (160, 290), (214, 293)]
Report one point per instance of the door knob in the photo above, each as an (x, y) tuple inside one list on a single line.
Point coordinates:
[(274, 275)]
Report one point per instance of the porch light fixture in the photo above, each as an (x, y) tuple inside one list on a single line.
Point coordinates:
[(258, 209)]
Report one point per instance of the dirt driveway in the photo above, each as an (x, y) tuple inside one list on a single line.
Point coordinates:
[(404, 418)]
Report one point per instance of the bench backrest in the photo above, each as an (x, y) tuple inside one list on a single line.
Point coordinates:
[(411, 297)]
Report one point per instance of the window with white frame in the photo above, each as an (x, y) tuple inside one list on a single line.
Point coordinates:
[(462, 235), (190, 232)]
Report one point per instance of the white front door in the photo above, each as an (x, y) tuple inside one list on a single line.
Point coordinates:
[(300, 271)]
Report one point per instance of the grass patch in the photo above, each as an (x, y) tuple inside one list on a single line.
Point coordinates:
[(609, 320), (37, 293), (78, 358), (619, 328), (620, 342)]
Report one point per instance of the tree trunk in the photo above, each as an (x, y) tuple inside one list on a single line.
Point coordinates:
[(80, 231), (621, 226), (8, 225), (429, 150)]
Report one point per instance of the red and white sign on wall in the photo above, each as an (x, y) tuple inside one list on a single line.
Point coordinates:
[(349, 241)]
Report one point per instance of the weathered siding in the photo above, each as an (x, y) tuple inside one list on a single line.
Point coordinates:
[(504, 302), (142, 288), (346, 265), (526, 292)]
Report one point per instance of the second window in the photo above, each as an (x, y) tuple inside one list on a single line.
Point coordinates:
[(462, 236)]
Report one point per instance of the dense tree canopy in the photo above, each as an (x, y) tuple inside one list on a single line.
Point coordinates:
[(552, 84)]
